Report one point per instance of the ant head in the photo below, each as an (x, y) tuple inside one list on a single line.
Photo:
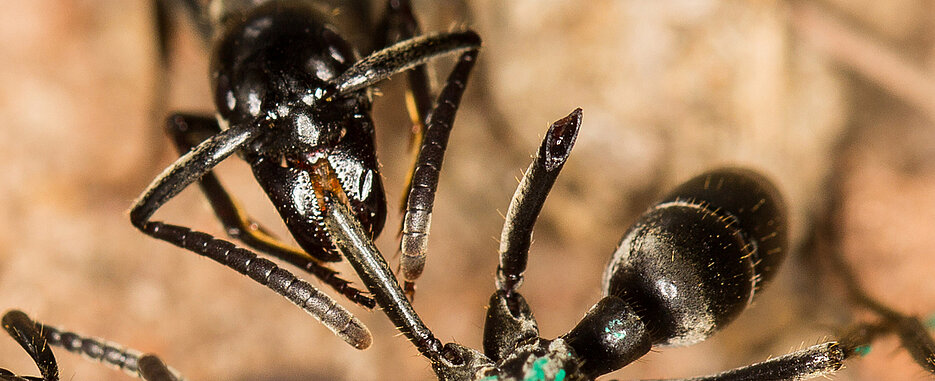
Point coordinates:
[(260, 71), (694, 261)]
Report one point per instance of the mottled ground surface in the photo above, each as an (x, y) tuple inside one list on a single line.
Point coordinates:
[(667, 91)]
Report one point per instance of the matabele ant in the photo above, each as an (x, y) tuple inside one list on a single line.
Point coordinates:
[(293, 101)]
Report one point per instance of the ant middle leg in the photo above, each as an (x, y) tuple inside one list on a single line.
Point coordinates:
[(187, 131)]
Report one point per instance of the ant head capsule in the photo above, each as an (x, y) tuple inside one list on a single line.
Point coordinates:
[(274, 58), (694, 261), (273, 67)]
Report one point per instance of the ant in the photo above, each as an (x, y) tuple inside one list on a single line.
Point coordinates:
[(595, 345), (687, 267), (293, 100)]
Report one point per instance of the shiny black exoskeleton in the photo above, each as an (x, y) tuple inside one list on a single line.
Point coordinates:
[(274, 68), (685, 269), (293, 100)]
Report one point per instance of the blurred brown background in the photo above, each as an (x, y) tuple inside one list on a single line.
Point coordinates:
[(668, 90)]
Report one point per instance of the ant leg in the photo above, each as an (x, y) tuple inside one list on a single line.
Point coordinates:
[(401, 56), (912, 333), (153, 369), (424, 180), (528, 200), (824, 359), (38, 339), (189, 168), (186, 131), (351, 240), (321, 306), (394, 59), (509, 319), (196, 13), (815, 361), (399, 23), (29, 335)]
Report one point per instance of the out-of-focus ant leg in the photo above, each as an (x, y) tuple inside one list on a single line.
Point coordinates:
[(27, 334), (826, 240), (397, 24), (153, 369), (38, 339), (195, 11), (188, 131)]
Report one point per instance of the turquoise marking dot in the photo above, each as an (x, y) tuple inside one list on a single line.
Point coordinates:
[(538, 374), (620, 335), (560, 376), (862, 350), (930, 322)]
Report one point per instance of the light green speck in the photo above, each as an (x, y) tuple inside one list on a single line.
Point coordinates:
[(862, 350), (930, 322)]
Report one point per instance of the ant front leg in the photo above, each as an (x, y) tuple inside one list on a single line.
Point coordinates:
[(186, 131), (510, 321), (191, 167)]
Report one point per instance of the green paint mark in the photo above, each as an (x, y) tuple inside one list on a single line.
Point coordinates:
[(614, 330), (930, 322), (560, 376), (862, 350), (490, 378), (538, 374)]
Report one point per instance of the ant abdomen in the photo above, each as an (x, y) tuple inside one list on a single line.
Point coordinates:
[(694, 261)]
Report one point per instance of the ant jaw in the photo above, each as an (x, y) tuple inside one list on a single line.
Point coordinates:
[(326, 185)]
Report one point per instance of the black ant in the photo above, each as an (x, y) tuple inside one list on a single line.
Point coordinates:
[(732, 219), (293, 100), (685, 269)]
